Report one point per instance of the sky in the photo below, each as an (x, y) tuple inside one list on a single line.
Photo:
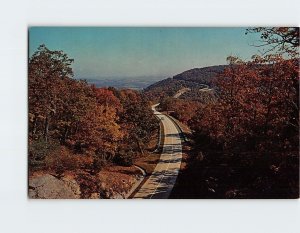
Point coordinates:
[(116, 52)]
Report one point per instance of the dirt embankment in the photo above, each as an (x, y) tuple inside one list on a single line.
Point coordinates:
[(113, 182)]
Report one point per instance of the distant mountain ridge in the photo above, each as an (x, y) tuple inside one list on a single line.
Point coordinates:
[(194, 79), (137, 83), (200, 75)]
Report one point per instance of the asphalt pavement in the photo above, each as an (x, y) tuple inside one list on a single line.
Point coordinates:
[(161, 182)]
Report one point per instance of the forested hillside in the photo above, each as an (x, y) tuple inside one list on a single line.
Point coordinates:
[(195, 79), (75, 127), (204, 75), (245, 142), (242, 121)]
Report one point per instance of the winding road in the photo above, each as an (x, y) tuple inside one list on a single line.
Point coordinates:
[(161, 182)]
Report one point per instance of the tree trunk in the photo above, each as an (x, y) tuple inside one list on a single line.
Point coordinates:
[(34, 126), (139, 146), (46, 129), (76, 128), (66, 131)]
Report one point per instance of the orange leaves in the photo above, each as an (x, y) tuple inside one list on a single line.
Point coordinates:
[(255, 99), (69, 110), (107, 98), (181, 109), (79, 117)]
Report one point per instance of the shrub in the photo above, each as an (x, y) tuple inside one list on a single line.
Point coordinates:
[(97, 164), (39, 150), (124, 158), (63, 160), (88, 184)]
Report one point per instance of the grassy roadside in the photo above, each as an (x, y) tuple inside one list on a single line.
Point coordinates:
[(150, 160), (185, 129), (121, 179), (148, 163)]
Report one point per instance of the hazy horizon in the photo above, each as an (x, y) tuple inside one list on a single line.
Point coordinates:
[(134, 52)]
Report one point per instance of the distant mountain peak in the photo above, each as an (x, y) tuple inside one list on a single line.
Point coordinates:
[(194, 79)]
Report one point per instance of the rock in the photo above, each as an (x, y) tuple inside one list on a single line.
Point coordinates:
[(106, 194), (103, 186), (116, 195), (73, 186), (95, 196), (49, 187)]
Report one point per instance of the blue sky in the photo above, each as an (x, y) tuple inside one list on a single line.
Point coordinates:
[(102, 52)]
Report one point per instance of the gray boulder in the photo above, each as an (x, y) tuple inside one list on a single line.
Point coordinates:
[(49, 187)]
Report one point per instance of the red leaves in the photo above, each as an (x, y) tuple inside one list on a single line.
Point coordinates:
[(80, 117), (181, 109), (107, 98), (256, 100), (67, 110)]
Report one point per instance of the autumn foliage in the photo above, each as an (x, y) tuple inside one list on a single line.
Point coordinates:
[(73, 125), (246, 143), (257, 106), (247, 140), (181, 109)]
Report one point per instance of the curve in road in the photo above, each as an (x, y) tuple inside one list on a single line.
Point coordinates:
[(161, 182)]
